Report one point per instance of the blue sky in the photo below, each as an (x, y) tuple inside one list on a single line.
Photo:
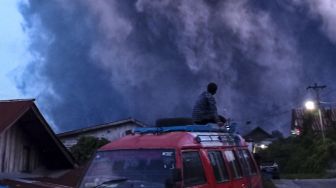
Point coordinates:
[(13, 49)]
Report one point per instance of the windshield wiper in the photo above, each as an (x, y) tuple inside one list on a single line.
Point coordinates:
[(117, 180)]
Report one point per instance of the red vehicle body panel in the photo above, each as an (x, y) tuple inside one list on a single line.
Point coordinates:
[(175, 140), (186, 141)]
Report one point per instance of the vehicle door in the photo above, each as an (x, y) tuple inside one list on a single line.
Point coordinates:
[(237, 179), (193, 170), (249, 167), (220, 175)]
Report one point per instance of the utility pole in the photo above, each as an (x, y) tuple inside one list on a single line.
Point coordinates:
[(317, 89)]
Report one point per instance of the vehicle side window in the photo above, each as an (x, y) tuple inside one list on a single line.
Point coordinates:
[(251, 164), (233, 164), (193, 171), (218, 166), (246, 165)]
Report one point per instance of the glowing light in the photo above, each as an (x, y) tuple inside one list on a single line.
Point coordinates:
[(263, 146), (310, 105), (296, 131)]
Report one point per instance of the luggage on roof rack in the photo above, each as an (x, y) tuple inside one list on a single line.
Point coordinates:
[(179, 121)]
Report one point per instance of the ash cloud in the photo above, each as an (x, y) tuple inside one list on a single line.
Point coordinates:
[(99, 61), (324, 12)]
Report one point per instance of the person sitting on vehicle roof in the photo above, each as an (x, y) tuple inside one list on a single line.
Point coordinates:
[(205, 110)]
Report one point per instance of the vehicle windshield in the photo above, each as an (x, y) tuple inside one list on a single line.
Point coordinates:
[(148, 168)]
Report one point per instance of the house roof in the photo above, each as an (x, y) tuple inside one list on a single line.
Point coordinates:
[(26, 114), (101, 126), (24, 183), (258, 134), (11, 111)]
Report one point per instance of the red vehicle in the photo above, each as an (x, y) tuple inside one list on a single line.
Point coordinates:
[(183, 156)]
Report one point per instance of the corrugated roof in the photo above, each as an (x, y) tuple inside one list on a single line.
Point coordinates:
[(30, 184), (101, 126)]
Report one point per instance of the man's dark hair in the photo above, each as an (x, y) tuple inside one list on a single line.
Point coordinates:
[(212, 88)]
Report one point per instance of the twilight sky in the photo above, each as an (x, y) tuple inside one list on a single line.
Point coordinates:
[(13, 47), (95, 61)]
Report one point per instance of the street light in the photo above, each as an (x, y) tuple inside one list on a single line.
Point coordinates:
[(310, 105)]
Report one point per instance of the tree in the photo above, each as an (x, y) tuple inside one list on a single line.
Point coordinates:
[(307, 153), (85, 147)]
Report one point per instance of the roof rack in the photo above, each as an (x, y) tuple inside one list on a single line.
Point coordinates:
[(204, 133), (226, 139), (186, 128)]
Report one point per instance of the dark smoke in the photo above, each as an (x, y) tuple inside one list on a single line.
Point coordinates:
[(100, 61)]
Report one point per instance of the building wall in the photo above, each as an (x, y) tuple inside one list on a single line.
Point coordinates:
[(17, 154), (328, 117), (110, 133)]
